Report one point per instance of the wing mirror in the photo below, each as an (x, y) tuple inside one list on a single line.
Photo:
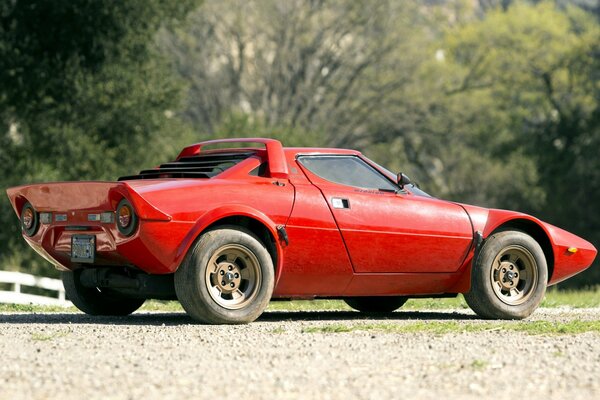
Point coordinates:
[(402, 180)]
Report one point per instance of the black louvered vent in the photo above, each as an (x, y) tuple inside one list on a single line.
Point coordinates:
[(200, 166)]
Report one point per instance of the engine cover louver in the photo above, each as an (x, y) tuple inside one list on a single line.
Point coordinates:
[(200, 166)]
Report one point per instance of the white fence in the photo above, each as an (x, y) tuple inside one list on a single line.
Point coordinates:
[(18, 279)]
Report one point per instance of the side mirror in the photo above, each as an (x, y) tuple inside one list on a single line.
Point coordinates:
[(402, 180)]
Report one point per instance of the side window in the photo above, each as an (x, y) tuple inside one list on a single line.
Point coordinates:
[(262, 170), (346, 170)]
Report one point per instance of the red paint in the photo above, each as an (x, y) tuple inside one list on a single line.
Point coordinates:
[(384, 244), (316, 261)]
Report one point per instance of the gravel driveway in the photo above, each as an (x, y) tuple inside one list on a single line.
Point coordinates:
[(165, 356)]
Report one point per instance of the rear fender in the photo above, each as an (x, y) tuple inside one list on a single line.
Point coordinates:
[(144, 209), (233, 210)]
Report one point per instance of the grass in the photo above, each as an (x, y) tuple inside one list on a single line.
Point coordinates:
[(479, 364), (44, 337), (589, 298), (446, 327), (30, 308), (162, 306)]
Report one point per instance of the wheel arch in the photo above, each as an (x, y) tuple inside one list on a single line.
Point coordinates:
[(536, 231), (253, 220)]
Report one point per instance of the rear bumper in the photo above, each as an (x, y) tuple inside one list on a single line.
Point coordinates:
[(74, 208), (152, 249)]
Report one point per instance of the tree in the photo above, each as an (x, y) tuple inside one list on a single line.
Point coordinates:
[(491, 102), (318, 66), (83, 95), (541, 66)]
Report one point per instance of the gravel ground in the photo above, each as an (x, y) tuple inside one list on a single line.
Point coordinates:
[(159, 355)]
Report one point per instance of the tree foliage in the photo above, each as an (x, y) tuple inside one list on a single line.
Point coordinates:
[(494, 102), (540, 65), (83, 94)]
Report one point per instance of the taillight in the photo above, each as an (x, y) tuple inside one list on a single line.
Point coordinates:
[(107, 217), (126, 218), (29, 220), (46, 218)]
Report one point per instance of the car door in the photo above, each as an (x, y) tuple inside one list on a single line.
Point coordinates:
[(386, 230)]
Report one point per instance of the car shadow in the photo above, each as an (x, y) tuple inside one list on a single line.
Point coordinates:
[(278, 316), (180, 318)]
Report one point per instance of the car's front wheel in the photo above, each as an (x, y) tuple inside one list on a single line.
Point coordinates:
[(227, 277), (509, 277), (376, 304), (96, 301)]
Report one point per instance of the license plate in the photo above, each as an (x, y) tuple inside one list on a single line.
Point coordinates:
[(83, 248)]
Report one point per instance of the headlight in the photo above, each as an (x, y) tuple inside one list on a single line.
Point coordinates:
[(29, 220), (126, 218)]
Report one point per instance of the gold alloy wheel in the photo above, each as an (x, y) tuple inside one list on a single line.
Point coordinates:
[(233, 276), (514, 275)]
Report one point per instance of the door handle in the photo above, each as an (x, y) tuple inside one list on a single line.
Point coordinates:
[(337, 202)]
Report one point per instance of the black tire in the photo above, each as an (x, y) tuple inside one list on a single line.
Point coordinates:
[(382, 304), (95, 302), (238, 286), (509, 277)]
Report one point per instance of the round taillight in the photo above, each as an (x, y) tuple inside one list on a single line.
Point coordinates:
[(29, 220), (126, 218)]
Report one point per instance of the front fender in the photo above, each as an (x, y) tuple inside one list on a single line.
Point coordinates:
[(555, 242), (486, 221)]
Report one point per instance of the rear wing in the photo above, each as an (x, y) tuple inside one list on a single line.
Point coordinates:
[(276, 158)]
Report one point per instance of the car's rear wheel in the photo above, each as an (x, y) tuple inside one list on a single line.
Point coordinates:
[(96, 301), (376, 304), (509, 277), (227, 277)]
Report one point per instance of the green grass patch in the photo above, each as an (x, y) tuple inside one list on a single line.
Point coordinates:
[(309, 305), (335, 328), (479, 364), (29, 308), (589, 298), (162, 306), (45, 337), (446, 327)]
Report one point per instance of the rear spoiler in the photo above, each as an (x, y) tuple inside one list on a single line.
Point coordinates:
[(276, 158), (71, 196)]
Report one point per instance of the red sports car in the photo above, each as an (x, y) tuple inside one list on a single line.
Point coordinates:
[(226, 230)]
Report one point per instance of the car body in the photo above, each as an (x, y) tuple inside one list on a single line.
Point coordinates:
[(334, 223)]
